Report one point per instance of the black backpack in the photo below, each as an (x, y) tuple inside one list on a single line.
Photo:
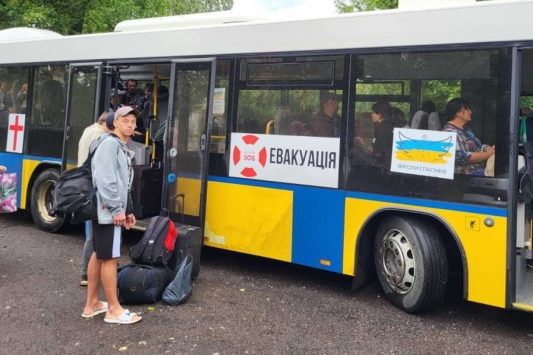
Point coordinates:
[(74, 195), (157, 244), (142, 284)]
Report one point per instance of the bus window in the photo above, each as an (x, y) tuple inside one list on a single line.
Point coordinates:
[(47, 121), (291, 96), (403, 82), (217, 145), (13, 97)]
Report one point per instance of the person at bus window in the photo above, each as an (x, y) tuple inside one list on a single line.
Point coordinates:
[(382, 120), (131, 96), (21, 98), (470, 155), (112, 176), (326, 122), (89, 135), (398, 117), (6, 102)]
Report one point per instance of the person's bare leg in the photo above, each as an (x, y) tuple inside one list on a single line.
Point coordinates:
[(109, 282), (93, 278)]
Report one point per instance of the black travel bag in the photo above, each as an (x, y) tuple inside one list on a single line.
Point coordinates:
[(142, 284), (146, 189)]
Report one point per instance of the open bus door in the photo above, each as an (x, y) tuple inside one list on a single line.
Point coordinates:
[(83, 103), (187, 140), (83, 98), (523, 251)]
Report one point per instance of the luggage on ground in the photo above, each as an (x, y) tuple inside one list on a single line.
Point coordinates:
[(179, 290), (157, 244), (142, 284)]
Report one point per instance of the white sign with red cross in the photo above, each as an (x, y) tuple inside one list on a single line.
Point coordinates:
[(291, 159), (15, 132)]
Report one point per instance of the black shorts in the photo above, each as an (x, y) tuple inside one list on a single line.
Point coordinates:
[(106, 240)]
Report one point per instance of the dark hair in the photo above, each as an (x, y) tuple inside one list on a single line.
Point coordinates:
[(131, 80), (384, 109), (454, 106), (398, 117), (428, 106)]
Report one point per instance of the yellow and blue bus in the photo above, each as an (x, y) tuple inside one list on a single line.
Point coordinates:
[(229, 142)]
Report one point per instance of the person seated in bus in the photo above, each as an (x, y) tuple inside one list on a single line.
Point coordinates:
[(21, 98), (382, 119), (326, 122), (398, 117), (6, 102), (299, 125), (282, 120), (470, 155)]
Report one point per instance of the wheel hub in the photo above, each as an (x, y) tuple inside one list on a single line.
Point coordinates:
[(398, 261), (45, 199)]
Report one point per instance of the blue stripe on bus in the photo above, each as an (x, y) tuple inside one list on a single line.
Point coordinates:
[(453, 206)]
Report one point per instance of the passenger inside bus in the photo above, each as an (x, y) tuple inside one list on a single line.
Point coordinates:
[(6, 103), (325, 123), (382, 119), (471, 156)]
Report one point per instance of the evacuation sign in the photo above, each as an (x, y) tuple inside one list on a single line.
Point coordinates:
[(291, 159), (15, 132)]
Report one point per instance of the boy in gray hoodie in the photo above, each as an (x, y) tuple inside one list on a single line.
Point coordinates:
[(112, 175)]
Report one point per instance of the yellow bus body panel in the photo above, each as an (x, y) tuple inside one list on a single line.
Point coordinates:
[(485, 248), (254, 220), (190, 188), (28, 167)]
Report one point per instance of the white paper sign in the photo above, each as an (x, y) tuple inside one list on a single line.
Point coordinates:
[(422, 152), (292, 159), (15, 132), (219, 101)]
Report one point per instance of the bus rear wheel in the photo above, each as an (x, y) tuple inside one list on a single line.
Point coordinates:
[(41, 201), (411, 263)]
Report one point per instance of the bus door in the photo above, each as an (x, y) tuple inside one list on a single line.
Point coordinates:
[(187, 140), (524, 228), (83, 102)]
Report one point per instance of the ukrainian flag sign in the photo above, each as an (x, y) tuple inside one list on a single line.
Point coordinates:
[(422, 152)]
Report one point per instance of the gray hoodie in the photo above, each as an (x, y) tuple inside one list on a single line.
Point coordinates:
[(112, 175)]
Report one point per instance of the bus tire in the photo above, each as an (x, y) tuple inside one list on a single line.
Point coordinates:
[(41, 201), (411, 263)]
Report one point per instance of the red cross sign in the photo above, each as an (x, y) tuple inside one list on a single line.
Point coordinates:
[(15, 133)]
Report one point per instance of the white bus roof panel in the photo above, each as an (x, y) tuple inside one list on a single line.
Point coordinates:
[(486, 22)]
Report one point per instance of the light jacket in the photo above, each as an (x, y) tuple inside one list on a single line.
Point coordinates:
[(112, 174)]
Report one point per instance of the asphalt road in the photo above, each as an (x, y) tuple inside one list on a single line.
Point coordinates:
[(240, 305)]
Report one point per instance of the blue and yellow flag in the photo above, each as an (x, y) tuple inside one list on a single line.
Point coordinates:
[(423, 150)]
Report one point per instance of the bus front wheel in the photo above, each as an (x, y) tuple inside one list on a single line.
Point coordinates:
[(41, 201), (411, 263)]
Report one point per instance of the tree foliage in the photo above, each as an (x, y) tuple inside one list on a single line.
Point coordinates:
[(365, 5), (87, 16)]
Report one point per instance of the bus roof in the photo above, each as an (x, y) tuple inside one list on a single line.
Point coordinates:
[(484, 22)]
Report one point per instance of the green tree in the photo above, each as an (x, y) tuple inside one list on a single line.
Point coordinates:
[(103, 15), (365, 5), (74, 17)]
